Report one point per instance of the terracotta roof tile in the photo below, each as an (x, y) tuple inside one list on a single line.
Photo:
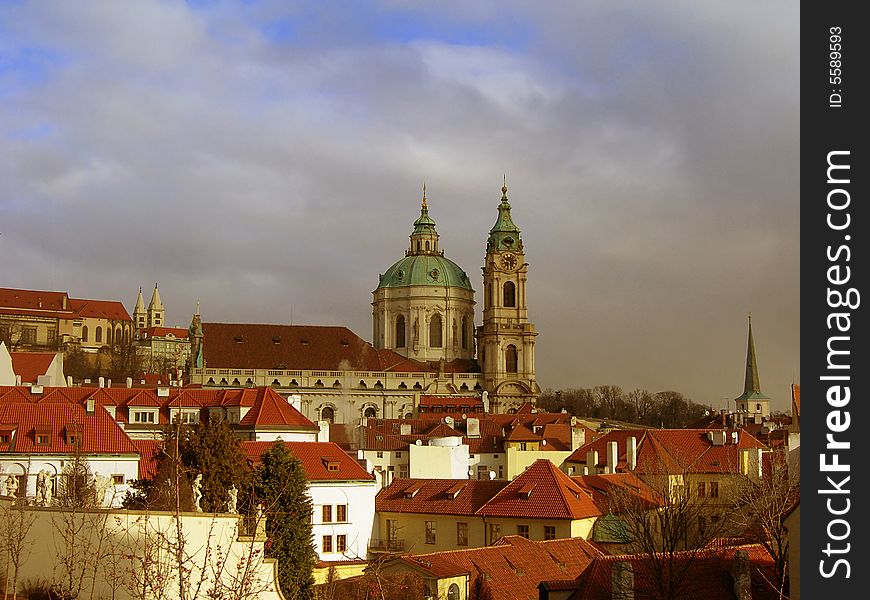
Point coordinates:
[(322, 461), (271, 409), (179, 332), (513, 567), (99, 432), (432, 496), (100, 309), (149, 451), (14, 298), (521, 433), (30, 365), (553, 495)]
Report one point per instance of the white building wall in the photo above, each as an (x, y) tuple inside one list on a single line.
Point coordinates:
[(439, 462), (359, 497)]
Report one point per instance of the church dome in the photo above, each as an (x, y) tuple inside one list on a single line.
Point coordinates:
[(425, 269)]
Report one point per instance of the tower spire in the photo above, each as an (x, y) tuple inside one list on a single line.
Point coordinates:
[(751, 382), (424, 205)]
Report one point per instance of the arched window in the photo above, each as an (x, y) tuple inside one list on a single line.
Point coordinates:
[(85, 333), (435, 331), (327, 413), (98, 336), (453, 592), (400, 331), (419, 246), (109, 337), (464, 333), (510, 359), (427, 245), (370, 412), (119, 336), (510, 294)]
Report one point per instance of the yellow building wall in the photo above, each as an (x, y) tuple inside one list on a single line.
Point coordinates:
[(412, 529)]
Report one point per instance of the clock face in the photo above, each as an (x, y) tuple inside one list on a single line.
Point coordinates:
[(508, 261)]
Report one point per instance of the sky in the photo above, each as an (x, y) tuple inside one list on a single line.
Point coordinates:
[(266, 159)]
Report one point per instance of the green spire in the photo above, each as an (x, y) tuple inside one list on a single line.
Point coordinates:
[(504, 235), (424, 224), (751, 385), (424, 238)]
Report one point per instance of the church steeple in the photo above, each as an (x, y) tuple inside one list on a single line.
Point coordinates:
[(424, 238), (751, 383), (156, 311), (504, 235), (139, 314)]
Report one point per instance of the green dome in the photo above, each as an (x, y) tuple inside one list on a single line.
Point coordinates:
[(425, 269)]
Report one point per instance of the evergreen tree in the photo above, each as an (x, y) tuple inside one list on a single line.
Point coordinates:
[(213, 450), (281, 486)]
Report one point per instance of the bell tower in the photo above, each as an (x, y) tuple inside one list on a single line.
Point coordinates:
[(506, 341)]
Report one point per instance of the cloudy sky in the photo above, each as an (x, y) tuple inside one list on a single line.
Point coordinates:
[(266, 158)]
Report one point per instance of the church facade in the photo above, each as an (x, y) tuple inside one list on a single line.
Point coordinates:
[(424, 338)]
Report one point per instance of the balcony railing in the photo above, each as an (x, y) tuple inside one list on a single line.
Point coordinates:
[(386, 545)]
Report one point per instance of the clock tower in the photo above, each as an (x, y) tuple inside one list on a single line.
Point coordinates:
[(506, 340)]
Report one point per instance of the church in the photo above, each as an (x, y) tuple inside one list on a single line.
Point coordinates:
[(424, 338)]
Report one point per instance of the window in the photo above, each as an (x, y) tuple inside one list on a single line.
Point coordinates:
[(98, 335), (400, 331), (462, 534), (399, 454), (118, 479), (341, 543), (430, 532), (327, 543), (142, 416), (714, 489), (327, 513), (42, 439), (494, 532), (702, 489), (435, 331), (464, 333), (510, 359), (510, 294), (51, 336), (85, 333), (341, 513), (109, 335), (482, 472), (453, 592), (28, 335), (379, 454), (757, 408), (327, 413), (4, 438), (523, 531), (549, 532)]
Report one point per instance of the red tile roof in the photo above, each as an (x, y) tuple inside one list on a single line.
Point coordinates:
[(149, 451), (100, 309), (620, 436), (30, 365), (432, 496), (179, 332), (690, 450), (32, 299), (513, 567), (521, 433), (551, 495), (100, 434), (270, 409), (706, 574), (602, 488), (316, 458)]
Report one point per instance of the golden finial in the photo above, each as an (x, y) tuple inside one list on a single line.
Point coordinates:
[(424, 196), (504, 186)]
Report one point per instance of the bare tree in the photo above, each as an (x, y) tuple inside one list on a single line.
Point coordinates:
[(15, 525), (671, 528), (760, 503)]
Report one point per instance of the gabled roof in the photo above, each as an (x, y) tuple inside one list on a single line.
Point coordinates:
[(691, 451), (100, 309), (707, 574), (33, 299), (316, 458), (149, 451), (432, 496), (308, 347), (30, 365), (521, 433), (511, 568), (443, 430), (271, 409), (542, 492), (97, 433), (179, 332), (620, 436)]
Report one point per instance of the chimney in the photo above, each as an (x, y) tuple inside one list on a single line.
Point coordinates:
[(740, 573), (109, 383), (631, 453), (129, 382), (69, 381), (405, 429), (484, 397), (591, 462), (612, 457), (102, 381), (578, 437), (622, 581), (18, 380)]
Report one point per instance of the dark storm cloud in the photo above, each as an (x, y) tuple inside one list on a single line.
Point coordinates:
[(268, 161)]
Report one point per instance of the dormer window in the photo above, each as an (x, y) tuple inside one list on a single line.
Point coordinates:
[(42, 439), (526, 491), (331, 465)]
